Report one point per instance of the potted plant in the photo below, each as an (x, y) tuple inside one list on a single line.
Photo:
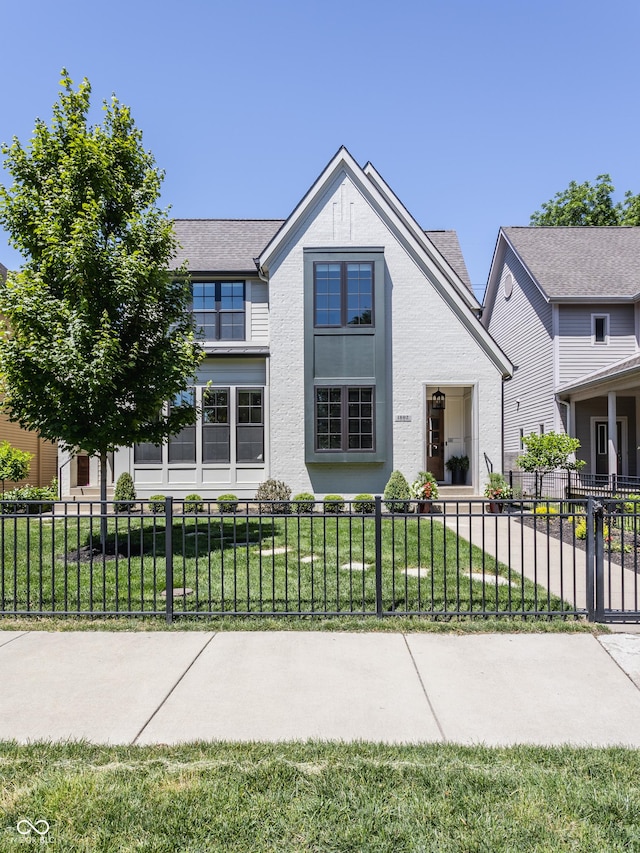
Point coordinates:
[(425, 490), (458, 465), (497, 490)]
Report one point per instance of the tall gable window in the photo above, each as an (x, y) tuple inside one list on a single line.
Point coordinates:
[(600, 328), (182, 447), (215, 425), (343, 294), (219, 310)]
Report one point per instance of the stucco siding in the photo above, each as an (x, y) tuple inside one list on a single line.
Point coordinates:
[(578, 354), (426, 344), (522, 325)]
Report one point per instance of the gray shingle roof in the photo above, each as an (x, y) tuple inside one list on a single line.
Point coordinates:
[(574, 261), (230, 245), (222, 245), (446, 242)]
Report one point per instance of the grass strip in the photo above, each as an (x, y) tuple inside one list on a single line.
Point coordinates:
[(321, 797)]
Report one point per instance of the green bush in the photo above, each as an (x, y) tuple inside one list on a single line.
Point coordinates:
[(192, 503), (274, 490), (364, 503), (157, 503), (397, 489), (334, 503), (304, 503), (227, 503), (11, 501), (124, 493)]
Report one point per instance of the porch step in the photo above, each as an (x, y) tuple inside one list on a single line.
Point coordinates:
[(457, 493), (92, 492)]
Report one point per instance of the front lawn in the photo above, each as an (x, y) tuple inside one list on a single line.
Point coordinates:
[(321, 797), (255, 564)]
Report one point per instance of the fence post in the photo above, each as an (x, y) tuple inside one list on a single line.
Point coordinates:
[(378, 537), (598, 511), (168, 557), (590, 561)]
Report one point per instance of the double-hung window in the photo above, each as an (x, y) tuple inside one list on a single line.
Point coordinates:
[(182, 447), (219, 310), (344, 418), (249, 425), (215, 425), (343, 294), (600, 328)]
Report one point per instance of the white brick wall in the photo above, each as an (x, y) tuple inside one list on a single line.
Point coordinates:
[(428, 344)]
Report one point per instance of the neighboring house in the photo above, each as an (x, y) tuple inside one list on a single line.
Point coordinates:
[(327, 336), (44, 465), (564, 304)]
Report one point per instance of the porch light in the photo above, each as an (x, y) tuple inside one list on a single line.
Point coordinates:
[(437, 400)]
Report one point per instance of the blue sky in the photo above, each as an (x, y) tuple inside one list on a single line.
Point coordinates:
[(474, 111)]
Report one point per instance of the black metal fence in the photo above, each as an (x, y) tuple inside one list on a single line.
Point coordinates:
[(572, 484), (530, 558)]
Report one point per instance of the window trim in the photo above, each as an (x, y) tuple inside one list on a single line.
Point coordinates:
[(606, 323), (344, 295), (344, 419)]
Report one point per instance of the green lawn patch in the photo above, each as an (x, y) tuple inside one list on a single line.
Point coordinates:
[(322, 797)]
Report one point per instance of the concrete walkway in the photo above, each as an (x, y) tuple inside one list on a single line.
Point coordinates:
[(553, 564), (169, 687)]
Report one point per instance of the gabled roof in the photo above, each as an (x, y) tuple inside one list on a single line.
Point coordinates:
[(222, 245), (446, 242), (573, 262)]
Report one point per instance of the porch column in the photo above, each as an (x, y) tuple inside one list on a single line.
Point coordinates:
[(613, 433)]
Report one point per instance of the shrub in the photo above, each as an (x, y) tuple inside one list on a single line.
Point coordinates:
[(364, 503), (581, 529), (334, 503), (274, 490), (14, 463), (45, 495), (156, 503), (193, 503), (304, 503), (227, 503), (125, 493), (546, 509), (397, 489)]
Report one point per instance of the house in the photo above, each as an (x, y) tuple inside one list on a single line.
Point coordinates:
[(341, 343), (564, 303), (44, 465)]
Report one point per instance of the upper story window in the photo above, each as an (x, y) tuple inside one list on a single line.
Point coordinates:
[(600, 328), (219, 310), (343, 294)]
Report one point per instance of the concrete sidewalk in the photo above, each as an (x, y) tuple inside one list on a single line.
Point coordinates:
[(146, 688)]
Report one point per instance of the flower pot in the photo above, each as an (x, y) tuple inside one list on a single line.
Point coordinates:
[(425, 506), (495, 506), (458, 477)]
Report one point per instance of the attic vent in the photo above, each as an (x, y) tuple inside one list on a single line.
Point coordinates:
[(508, 285)]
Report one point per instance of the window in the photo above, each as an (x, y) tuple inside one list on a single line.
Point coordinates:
[(147, 453), (343, 294), (249, 425), (182, 447), (215, 425), (219, 310), (600, 328), (344, 418)]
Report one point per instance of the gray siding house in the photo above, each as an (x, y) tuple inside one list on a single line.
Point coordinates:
[(564, 304), (327, 335)]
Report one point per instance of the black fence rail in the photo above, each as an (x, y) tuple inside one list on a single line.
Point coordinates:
[(446, 559)]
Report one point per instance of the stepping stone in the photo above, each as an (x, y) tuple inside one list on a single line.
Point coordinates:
[(268, 552), (416, 573), (355, 567), (307, 559), (178, 592), (492, 579)]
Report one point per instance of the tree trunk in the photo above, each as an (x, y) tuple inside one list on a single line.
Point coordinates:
[(103, 498)]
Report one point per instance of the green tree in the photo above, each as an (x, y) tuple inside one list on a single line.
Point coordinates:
[(99, 332), (14, 463), (589, 204), (548, 452)]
